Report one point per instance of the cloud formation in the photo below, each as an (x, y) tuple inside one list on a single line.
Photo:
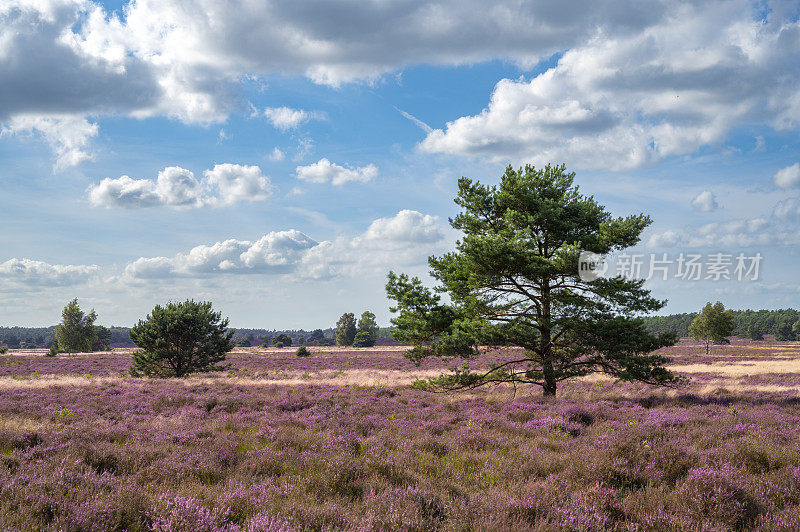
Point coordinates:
[(286, 118), (400, 239), (37, 273), (788, 177), (779, 228), (176, 187), (621, 100), (705, 201), (324, 171), (637, 80)]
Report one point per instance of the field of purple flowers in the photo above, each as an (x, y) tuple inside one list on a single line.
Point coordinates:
[(340, 440)]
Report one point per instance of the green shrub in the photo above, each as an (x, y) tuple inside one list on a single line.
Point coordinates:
[(282, 340), (179, 339), (3, 350), (302, 351)]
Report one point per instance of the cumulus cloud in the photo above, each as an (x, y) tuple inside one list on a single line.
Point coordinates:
[(324, 171), (636, 80), (788, 177), (405, 226), (403, 238), (621, 100), (38, 273), (277, 155), (286, 118), (705, 201), (68, 136), (225, 184), (235, 183), (779, 228)]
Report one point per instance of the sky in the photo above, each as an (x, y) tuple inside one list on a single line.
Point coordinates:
[(279, 158)]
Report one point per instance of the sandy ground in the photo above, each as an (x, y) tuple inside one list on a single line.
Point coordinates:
[(728, 374)]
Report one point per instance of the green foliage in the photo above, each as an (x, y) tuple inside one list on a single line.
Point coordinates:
[(303, 351), (102, 338), (3, 350), (784, 330), (53, 351), (363, 339), (179, 339), (346, 329), (367, 330), (713, 324), (76, 332), (755, 331), (745, 322), (513, 281), (317, 335), (282, 340)]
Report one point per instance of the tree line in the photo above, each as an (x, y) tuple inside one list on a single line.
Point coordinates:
[(752, 324)]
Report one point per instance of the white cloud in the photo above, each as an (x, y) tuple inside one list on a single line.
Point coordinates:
[(788, 209), (705, 201), (402, 239), (286, 118), (779, 228), (235, 183), (225, 184), (623, 99), (67, 135), (277, 155), (38, 273), (637, 81), (405, 226), (323, 171), (788, 177)]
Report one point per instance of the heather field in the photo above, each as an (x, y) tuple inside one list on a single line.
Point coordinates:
[(341, 440)]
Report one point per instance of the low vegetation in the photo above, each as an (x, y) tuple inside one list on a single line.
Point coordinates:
[(252, 449)]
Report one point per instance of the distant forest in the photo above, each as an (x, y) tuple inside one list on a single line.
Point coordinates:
[(752, 324), (30, 337)]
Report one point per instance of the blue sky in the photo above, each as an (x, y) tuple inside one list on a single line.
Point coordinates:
[(280, 159)]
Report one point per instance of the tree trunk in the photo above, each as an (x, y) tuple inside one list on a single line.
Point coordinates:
[(549, 387)]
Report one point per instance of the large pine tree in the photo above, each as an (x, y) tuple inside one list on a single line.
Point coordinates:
[(513, 281)]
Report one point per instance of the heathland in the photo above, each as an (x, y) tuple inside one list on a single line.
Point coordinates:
[(351, 439)]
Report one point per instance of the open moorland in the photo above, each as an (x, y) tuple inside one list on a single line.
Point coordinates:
[(346, 439)]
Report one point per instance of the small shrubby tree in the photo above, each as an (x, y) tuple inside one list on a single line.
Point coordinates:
[(346, 329), (366, 331), (179, 339), (76, 332), (282, 340), (513, 280), (303, 351), (713, 325), (102, 338)]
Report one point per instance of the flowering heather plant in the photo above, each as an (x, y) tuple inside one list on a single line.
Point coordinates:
[(254, 452)]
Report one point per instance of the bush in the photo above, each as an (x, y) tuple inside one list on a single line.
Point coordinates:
[(179, 339), (363, 339), (302, 351), (3, 350), (53, 351), (281, 340)]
